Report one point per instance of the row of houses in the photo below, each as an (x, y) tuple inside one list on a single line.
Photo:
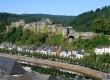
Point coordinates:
[(102, 50), (44, 49)]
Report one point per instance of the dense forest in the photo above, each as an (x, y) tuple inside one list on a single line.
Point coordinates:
[(7, 18), (85, 21)]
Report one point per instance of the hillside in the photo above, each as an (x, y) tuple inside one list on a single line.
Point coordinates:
[(27, 37), (7, 18), (84, 21)]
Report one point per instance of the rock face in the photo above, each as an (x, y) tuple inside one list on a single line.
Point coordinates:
[(46, 25)]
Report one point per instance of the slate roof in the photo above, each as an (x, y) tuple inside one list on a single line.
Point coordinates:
[(54, 50), (80, 52), (33, 48), (51, 47), (42, 47), (11, 66), (77, 49), (46, 48)]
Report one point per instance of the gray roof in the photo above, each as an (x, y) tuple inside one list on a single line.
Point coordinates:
[(51, 47), (33, 48), (66, 51), (11, 66), (42, 47), (77, 49), (100, 47), (1, 44), (54, 50), (46, 48), (80, 52)]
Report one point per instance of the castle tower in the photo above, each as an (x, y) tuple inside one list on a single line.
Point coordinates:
[(7, 28), (22, 22), (65, 32)]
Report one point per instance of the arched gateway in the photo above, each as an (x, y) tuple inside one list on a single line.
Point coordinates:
[(71, 38)]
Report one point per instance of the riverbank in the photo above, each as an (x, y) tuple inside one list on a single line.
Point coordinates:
[(80, 69)]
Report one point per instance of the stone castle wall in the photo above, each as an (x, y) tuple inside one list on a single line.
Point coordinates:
[(46, 25)]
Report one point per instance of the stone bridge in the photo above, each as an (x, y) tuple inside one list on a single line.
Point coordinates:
[(80, 69)]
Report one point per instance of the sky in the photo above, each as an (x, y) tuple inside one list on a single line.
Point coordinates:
[(54, 7)]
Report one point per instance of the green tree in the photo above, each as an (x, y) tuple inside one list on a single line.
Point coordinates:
[(101, 26)]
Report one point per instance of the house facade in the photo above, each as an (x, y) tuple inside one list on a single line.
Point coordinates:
[(78, 53), (102, 50)]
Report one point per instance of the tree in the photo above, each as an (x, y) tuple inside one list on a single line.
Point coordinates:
[(25, 35), (101, 26)]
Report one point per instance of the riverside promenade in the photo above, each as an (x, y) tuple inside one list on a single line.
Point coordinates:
[(75, 68)]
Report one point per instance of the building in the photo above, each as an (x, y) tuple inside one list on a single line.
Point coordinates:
[(40, 49), (10, 67), (78, 53), (32, 49), (102, 50), (65, 53), (47, 25), (17, 24)]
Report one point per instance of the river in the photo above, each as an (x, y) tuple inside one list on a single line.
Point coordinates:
[(55, 72), (97, 75)]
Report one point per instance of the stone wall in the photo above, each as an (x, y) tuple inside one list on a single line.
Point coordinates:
[(19, 23), (87, 35), (46, 25)]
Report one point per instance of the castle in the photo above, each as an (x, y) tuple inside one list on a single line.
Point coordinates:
[(46, 25)]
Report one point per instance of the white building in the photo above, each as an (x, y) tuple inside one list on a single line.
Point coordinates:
[(65, 53), (19, 48), (102, 50), (45, 50), (78, 53)]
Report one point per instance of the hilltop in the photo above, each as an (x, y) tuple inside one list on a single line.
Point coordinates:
[(84, 21), (7, 18)]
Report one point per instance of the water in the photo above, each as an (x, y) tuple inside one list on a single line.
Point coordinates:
[(57, 73)]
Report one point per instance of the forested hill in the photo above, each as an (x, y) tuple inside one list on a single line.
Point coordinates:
[(7, 18), (84, 21), (66, 20)]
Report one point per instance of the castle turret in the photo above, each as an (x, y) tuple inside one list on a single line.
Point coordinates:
[(17, 24), (47, 21), (22, 22)]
